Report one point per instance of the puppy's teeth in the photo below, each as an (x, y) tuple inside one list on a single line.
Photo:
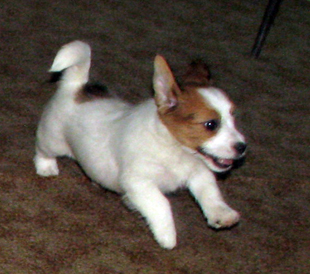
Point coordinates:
[(227, 162)]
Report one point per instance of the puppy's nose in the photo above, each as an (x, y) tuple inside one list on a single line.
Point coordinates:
[(240, 147)]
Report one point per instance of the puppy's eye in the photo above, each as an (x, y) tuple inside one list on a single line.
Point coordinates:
[(212, 125)]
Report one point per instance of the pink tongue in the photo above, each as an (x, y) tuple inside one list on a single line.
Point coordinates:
[(226, 162)]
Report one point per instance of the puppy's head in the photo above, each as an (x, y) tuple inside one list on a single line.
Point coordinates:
[(199, 116)]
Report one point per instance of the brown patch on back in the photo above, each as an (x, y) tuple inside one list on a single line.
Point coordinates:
[(91, 92), (186, 121)]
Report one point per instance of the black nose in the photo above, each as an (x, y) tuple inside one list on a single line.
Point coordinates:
[(240, 147)]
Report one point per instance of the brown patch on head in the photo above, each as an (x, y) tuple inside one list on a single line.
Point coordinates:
[(91, 92), (187, 121), (184, 112), (197, 74)]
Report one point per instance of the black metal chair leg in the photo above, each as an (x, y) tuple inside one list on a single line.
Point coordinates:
[(268, 19)]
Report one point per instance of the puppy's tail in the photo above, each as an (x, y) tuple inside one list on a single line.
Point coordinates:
[(73, 60)]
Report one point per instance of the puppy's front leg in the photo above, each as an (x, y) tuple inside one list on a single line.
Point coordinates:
[(204, 188), (154, 206)]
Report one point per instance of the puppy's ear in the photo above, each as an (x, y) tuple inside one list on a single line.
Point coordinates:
[(165, 86), (197, 74)]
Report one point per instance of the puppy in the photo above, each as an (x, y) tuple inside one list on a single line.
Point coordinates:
[(177, 139)]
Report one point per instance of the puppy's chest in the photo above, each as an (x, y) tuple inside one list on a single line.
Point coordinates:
[(173, 175)]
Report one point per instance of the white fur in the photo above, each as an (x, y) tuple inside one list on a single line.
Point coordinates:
[(222, 145), (127, 149)]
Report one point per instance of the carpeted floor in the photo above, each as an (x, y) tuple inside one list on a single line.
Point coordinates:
[(67, 224)]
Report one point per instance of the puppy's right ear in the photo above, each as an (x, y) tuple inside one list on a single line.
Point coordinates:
[(165, 86), (197, 74)]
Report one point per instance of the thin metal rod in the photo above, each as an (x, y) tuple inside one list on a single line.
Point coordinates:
[(268, 19)]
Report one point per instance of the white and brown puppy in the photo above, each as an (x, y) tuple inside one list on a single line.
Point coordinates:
[(142, 151)]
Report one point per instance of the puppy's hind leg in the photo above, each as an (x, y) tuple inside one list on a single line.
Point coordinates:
[(49, 145), (45, 166)]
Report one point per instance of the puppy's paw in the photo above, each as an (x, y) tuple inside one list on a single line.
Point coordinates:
[(46, 166), (223, 216), (166, 238)]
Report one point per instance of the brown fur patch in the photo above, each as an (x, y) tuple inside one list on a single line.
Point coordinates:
[(197, 74), (186, 121), (91, 92)]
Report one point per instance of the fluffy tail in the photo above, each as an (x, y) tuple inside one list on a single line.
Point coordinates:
[(74, 60)]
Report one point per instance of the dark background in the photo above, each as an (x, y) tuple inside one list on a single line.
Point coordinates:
[(67, 224)]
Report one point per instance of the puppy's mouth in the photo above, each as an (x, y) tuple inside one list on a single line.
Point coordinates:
[(220, 163)]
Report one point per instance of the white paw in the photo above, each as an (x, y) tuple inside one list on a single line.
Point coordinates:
[(46, 166), (223, 216), (166, 238)]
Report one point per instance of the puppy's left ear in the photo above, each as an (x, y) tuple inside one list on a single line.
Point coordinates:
[(165, 86)]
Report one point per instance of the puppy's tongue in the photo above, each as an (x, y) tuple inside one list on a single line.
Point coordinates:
[(226, 162)]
